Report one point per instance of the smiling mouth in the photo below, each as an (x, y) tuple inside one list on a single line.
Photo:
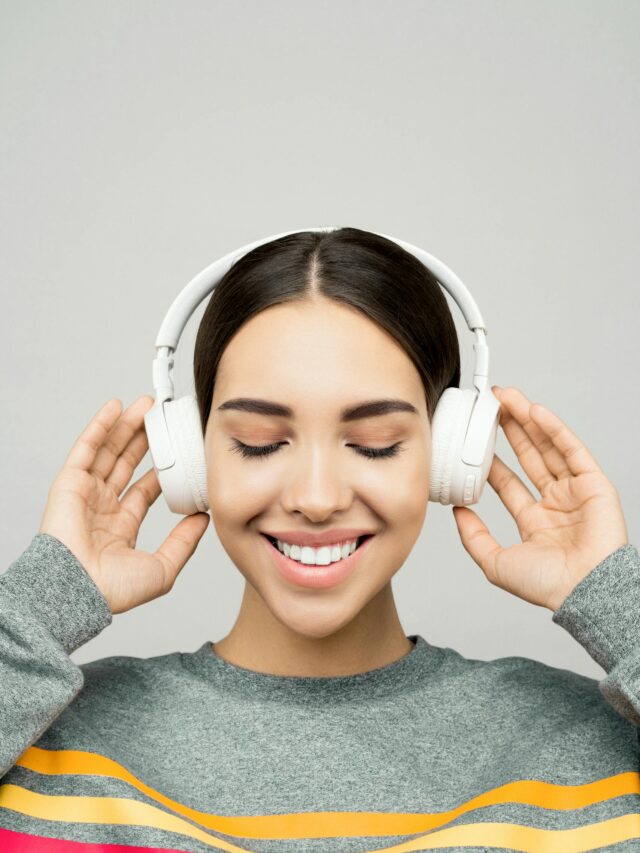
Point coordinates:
[(359, 540)]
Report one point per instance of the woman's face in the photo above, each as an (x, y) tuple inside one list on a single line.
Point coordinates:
[(317, 358)]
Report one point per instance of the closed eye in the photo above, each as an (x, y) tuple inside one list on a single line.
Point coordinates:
[(257, 451)]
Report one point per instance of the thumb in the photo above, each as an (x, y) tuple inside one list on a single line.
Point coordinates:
[(195, 526), (180, 544), (476, 539)]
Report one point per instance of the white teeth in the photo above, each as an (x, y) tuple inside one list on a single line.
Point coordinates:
[(317, 556)]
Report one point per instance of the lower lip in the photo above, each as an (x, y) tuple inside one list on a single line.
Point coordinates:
[(316, 577)]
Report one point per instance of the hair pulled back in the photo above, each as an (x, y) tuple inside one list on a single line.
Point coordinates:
[(351, 266)]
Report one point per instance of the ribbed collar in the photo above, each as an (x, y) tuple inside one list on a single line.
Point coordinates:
[(408, 672)]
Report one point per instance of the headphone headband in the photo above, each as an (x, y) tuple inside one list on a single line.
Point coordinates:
[(205, 281)]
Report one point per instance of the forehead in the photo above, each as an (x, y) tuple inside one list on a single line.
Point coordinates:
[(322, 353)]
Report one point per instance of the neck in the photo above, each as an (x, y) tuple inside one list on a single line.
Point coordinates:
[(263, 643)]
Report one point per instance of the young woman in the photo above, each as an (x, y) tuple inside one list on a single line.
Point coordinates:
[(316, 724)]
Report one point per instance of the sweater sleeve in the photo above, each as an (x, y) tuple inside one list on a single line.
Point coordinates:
[(49, 606), (603, 614)]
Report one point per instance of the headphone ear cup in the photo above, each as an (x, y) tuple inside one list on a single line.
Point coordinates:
[(448, 430), (184, 484)]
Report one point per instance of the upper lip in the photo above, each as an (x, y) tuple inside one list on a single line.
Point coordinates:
[(317, 540)]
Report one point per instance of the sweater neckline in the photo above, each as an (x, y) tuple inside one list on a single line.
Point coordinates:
[(401, 675)]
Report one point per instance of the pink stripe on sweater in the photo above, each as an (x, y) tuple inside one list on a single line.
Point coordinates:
[(20, 842)]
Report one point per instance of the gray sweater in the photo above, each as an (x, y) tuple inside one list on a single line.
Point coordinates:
[(436, 751)]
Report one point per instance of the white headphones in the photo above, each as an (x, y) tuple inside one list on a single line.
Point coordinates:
[(463, 429)]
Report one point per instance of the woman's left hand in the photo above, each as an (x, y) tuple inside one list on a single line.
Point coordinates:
[(568, 531)]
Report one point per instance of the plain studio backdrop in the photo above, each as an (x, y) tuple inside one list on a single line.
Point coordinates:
[(142, 140)]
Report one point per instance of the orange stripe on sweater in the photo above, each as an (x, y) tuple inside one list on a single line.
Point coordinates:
[(335, 823), (113, 810)]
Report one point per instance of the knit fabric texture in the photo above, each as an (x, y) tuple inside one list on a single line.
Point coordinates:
[(435, 751)]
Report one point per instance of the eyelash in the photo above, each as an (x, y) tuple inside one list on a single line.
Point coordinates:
[(256, 452)]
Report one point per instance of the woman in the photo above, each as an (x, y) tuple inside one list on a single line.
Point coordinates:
[(316, 724)]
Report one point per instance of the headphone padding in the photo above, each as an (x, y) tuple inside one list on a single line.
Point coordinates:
[(183, 423), (448, 430)]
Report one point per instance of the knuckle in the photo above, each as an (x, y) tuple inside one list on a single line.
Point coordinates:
[(129, 457), (522, 445)]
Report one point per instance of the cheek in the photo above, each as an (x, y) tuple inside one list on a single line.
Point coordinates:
[(238, 489), (412, 492), (399, 493), (234, 504)]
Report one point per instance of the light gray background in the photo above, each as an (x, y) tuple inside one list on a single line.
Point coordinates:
[(142, 140)]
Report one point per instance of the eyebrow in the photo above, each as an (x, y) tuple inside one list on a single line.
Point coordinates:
[(365, 409)]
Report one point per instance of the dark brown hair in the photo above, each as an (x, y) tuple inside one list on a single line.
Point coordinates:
[(368, 272)]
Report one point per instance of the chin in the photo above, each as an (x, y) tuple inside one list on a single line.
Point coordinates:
[(313, 619)]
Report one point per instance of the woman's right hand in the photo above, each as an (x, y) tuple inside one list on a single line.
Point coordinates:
[(85, 512)]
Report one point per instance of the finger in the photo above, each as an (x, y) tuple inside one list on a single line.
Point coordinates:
[(180, 544), (140, 495), (579, 459), (511, 490), (478, 542), (128, 461), (88, 443), (120, 435), (539, 457)]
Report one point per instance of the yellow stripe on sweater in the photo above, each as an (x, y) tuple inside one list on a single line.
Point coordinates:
[(114, 810), (335, 823)]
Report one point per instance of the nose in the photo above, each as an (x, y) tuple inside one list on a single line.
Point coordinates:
[(318, 488)]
